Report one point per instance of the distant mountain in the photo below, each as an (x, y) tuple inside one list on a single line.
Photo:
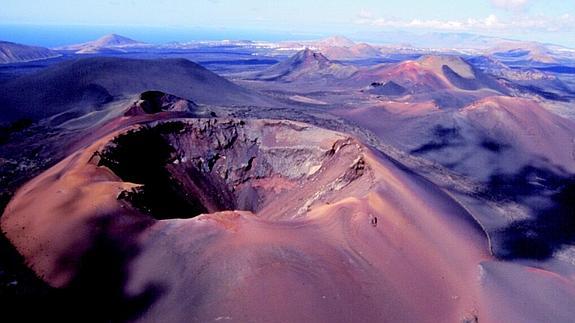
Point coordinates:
[(337, 48), (524, 51), (437, 40), (73, 88), (473, 43), (341, 48), (304, 66), (357, 51), (105, 44), (493, 66), (18, 53), (112, 40), (334, 41)]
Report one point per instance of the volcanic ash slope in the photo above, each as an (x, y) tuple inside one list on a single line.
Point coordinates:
[(330, 231)]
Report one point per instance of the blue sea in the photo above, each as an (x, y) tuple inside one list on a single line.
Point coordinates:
[(53, 35)]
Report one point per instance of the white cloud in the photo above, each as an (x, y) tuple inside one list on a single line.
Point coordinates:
[(523, 23), (489, 22), (365, 14), (509, 4)]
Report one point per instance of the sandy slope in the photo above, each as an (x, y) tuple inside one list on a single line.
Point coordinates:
[(334, 233), (527, 125), (491, 135)]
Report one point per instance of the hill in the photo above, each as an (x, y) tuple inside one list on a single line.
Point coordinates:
[(76, 87), (105, 44), (305, 65), (19, 53)]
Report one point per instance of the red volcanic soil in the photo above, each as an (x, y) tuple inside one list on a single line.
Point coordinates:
[(528, 125), (491, 135), (430, 74), (409, 74), (261, 220)]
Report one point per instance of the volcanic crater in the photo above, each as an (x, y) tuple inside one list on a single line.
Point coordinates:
[(179, 168), (180, 217), (194, 166)]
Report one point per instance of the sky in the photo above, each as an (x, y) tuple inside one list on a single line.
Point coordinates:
[(551, 21)]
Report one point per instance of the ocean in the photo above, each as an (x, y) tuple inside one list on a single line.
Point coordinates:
[(56, 35)]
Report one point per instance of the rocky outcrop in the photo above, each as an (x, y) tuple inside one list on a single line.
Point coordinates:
[(200, 166)]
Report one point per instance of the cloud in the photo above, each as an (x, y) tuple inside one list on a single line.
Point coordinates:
[(489, 22), (365, 14), (510, 4), (492, 22)]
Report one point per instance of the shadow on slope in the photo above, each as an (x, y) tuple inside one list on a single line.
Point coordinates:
[(551, 198), (97, 295)]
